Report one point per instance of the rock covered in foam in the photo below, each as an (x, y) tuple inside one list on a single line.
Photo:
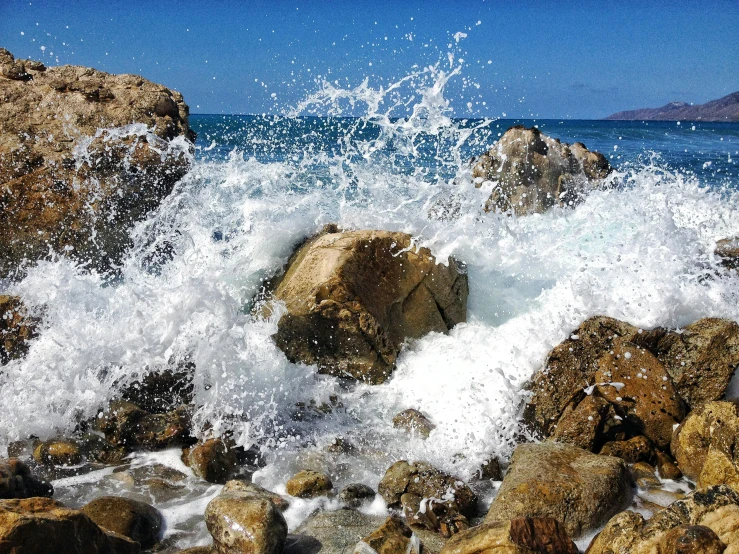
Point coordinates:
[(531, 172), (16, 328), (67, 185), (579, 489), (354, 297)]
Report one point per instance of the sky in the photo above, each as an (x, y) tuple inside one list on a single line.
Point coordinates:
[(519, 58)]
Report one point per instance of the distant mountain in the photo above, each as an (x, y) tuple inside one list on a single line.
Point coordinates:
[(723, 109)]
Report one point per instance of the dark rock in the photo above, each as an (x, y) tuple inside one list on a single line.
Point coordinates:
[(16, 481), (353, 298), (16, 328), (667, 468), (636, 449), (133, 519), (213, 460), (356, 494), (162, 390), (128, 426)]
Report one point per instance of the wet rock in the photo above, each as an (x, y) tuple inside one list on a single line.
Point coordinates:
[(716, 508), (50, 197), (583, 424), (392, 537), (530, 172), (519, 536), (136, 520), (691, 539), (128, 426), (252, 489), (32, 525), (198, 550), (701, 359), (355, 494), (243, 522), (16, 328), (58, 453), (162, 390), (341, 446), (645, 476), (633, 450), (490, 470), (706, 444), (332, 532), (579, 489), (97, 449), (646, 397), (428, 497), (569, 369), (414, 422), (309, 484), (727, 251), (213, 460), (16, 481), (354, 297)]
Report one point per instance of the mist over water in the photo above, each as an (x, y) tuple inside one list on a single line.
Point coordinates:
[(641, 251)]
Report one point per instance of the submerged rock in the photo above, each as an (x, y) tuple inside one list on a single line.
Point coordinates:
[(131, 518), (16, 328), (579, 489), (65, 184), (354, 297), (42, 525), (535, 535), (531, 172), (706, 444), (16, 481)]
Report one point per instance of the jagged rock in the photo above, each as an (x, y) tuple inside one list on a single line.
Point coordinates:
[(16, 328), (534, 535), (429, 497), (309, 484), (583, 424), (636, 449), (244, 522), (44, 526), (131, 518), (706, 444), (701, 359), (65, 184), (256, 491), (213, 460), (126, 425), (16, 481), (162, 390), (414, 422), (579, 489), (716, 508), (354, 297), (530, 172), (58, 453), (355, 494), (392, 537)]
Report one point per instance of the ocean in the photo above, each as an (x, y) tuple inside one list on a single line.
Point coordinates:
[(641, 251)]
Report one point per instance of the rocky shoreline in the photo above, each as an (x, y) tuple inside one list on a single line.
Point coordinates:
[(627, 441)]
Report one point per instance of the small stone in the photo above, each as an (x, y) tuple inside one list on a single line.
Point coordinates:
[(213, 460), (131, 518), (356, 494), (691, 539), (667, 468), (414, 422), (309, 484), (644, 476), (392, 537), (636, 449), (58, 453), (341, 446)]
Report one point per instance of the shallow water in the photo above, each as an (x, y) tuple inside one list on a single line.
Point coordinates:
[(641, 252)]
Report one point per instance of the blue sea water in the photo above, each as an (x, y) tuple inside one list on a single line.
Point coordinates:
[(642, 251)]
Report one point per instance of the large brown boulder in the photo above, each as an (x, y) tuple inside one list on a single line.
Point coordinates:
[(136, 520), (69, 185), (44, 526), (354, 297), (579, 489), (530, 172), (536, 535), (715, 510), (706, 445), (16, 328)]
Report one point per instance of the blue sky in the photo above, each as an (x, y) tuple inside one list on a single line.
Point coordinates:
[(525, 59)]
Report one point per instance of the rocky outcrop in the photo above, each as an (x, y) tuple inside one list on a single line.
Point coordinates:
[(244, 522), (428, 497), (213, 460), (42, 525), (579, 489), (354, 297), (530, 172), (77, 164), (309, 484), (706, 444), (16, 328), (136, 520), (536, 535), (128, 426), (16, 481), (716, 510)]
